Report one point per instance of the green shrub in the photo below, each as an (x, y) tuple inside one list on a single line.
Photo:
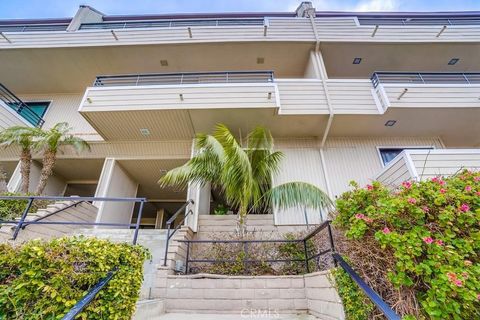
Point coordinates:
[(357, 306), (432, 229), (44, 280), (11, 209)]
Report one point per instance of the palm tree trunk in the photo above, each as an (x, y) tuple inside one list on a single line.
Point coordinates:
[(242, 221), (48, 162), (3, 180), (25, 163)]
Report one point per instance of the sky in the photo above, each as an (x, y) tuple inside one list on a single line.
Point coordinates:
[(18, 9)]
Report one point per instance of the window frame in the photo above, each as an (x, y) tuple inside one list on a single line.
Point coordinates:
[(410, 147)]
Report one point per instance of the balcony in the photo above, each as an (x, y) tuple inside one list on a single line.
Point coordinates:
[(427, 90), (14, 112), (426, 164), (176, 105)]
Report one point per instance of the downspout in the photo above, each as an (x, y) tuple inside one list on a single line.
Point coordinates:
[(321, 70)]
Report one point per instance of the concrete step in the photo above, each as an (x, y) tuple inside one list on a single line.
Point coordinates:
[(149, 309)]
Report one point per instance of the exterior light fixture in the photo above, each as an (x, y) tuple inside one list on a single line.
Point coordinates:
[(145, 132), (357, 60), (390, 123), (164, 63), (260, 60), (453, 61)]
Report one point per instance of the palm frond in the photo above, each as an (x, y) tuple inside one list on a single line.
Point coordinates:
[(293, 194)]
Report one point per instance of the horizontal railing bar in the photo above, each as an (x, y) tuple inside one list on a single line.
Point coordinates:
[(246, 261), (319, 254), (372, 295), (14, 222), (52, 213), (73, 198), (241, 241)]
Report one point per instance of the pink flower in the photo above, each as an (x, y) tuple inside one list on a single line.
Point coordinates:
[(407, 184), (412, 200), (458, 283), (477, 193), (476, 179), (428, 240), (451, 276), (439, 242), (441, 182), (359, 216), (386, 230), (425, 209), (464, 207), (467, 263), (369, 187), (435, 179), (367, 220), (443, 190), (478, 297), (468, 188)]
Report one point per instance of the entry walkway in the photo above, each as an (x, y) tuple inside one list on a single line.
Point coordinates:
[(245, 315)]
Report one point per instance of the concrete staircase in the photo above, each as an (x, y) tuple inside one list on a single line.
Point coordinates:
[(80, 212)]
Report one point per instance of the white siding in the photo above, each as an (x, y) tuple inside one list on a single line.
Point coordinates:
[(433, 96), (55, 185), (9, 118), (168, 97), (302, 96), (352, 97), (64, 108), (357, 159), (395, 173), (300, 164)]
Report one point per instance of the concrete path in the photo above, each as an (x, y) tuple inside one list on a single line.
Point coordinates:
[(245, 316)]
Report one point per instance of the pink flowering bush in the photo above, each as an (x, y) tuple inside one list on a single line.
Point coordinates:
[(432, 230)]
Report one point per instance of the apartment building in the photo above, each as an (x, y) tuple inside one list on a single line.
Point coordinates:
[(347, 96)]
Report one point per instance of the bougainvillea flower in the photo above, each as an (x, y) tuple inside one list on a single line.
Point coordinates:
[(468, 188), (407, 184), (458, 283), (369, 187), (439, 242), (451, 276), (412, 200), (359, 216), (443, 190), (464, 207), (428, 240), (386, 230)]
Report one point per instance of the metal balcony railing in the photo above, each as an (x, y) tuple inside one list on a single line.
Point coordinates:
[(12, 101), (425, 78), (33, 27), (173, 23), (420, 21), (185, 78)]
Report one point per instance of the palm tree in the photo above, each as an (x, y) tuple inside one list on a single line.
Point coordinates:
[(24, 138), (50, 141), (3, 180), (244, 175)]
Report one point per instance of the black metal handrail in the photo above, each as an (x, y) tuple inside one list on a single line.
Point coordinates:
[(179, 225), (33, 27), (51, 214), (425, 78), (21, 222), (89, 296), (246, 260), (419, 21), (371, 294), (171, 23), (14, 102), (184, 78)]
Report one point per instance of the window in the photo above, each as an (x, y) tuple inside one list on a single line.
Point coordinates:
[(39, 108), (388, 154)]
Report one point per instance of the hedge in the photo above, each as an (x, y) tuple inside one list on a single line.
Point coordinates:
[(44, 280), (430, 233)]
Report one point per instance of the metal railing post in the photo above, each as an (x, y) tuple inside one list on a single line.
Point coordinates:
[(187, 258), (22, 219), (139, 218), (332, 244), (307, 268), (166, 245)]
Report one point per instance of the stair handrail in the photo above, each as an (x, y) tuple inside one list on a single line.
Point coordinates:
[(90, 295), (169, 225), (369, 292), (51, 213), (9, 98)]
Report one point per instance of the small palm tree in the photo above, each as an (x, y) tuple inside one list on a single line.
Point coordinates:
[(50, 141), (244, 175), (24, 138)]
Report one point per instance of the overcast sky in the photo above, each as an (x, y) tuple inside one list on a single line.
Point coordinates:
[(67, 8)]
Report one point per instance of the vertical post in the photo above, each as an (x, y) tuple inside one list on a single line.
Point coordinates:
[(137, 225), (305, 215), (22, 219), (166, 245), (245, 257), (332, 245), (306, 255), (187, 258)]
